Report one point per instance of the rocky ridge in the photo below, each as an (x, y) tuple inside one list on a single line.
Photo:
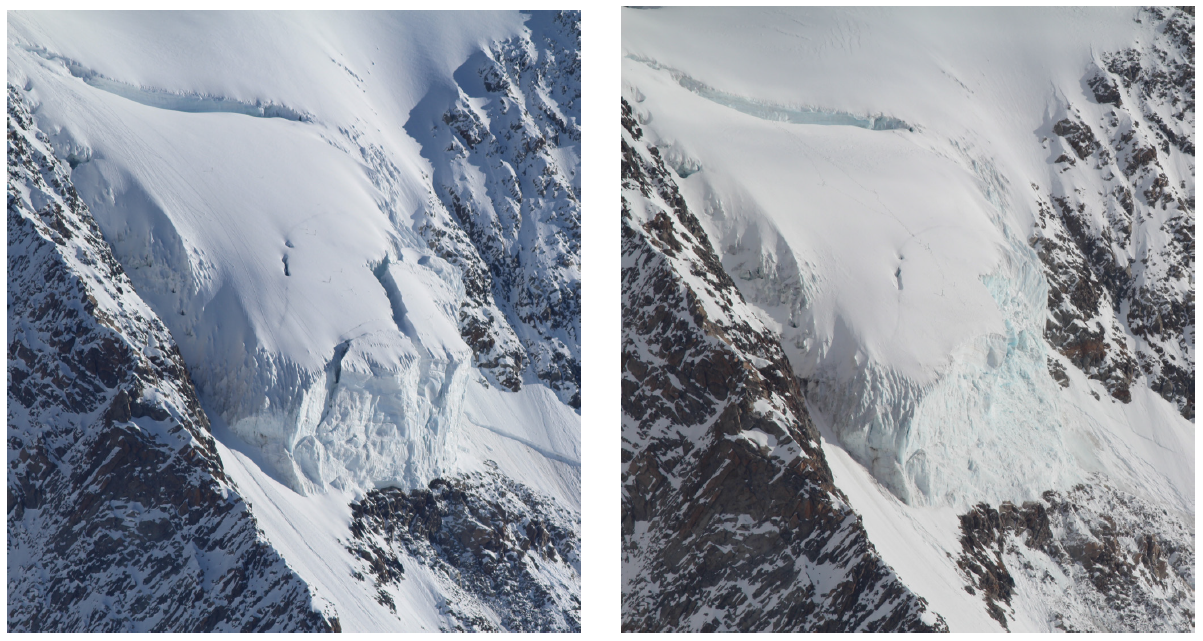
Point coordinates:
[(512, 126), (504, 559), (1099, 560), (731, 520), (1115, 226)]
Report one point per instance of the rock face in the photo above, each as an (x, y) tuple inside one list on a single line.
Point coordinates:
[(120, 516), (1099, 559), (505, 149), (1119, 255), (505, 559), (730, 518)]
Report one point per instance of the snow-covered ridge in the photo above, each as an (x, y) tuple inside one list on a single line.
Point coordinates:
[(505, 147), (1116, 216)]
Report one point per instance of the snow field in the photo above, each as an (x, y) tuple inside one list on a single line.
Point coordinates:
[(315, 322)]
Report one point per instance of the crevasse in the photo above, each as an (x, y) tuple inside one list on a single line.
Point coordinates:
[(778, 113), (161, 99)]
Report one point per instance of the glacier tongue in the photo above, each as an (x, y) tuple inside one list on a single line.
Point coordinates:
[(947, 427), (990, 426)]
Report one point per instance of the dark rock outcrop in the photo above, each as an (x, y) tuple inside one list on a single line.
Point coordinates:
[(513, 121), (507, 559), (1098, 559), (1120, 262)]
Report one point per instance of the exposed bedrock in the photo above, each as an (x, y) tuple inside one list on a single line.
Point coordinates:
[(1095, 558)]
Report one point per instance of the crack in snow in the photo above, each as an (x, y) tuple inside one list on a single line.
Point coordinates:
[(766, 110), (170, 100), (531, 444)]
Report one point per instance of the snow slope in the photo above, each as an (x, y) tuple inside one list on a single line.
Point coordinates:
[(257, 177), (871, 179), (730, 519)]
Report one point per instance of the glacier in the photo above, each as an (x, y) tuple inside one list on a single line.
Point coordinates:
[(260, 179), (901, 267)]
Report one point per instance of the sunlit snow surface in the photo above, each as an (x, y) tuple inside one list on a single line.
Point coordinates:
[(253, 174), (894, 263)]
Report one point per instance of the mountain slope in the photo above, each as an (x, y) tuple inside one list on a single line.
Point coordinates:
[(120, 515), (270, 187), (730, 517), (513, 133), (1118, 253), (929, 210)]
